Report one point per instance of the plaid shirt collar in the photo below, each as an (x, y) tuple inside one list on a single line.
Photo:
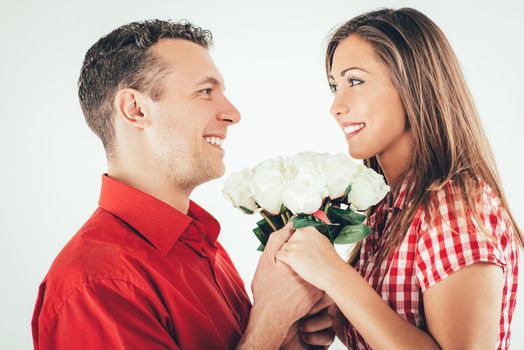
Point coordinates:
[(398, 199)]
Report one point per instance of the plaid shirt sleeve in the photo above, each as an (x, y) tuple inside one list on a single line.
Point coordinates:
[(451, 239)]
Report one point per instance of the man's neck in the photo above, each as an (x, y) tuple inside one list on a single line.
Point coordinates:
[(154, 185)]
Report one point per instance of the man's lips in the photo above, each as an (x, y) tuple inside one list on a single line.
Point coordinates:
[(215, 140)]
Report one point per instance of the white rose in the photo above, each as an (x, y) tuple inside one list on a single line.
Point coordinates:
[(304, 194), (305, 160), (267, 184), (338, 173), (236, 189), (274, 164), (367, 188)]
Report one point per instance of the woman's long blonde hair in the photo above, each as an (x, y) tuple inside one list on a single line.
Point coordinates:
[(449, 141)]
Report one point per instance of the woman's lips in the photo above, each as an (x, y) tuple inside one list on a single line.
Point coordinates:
[(353, 129)]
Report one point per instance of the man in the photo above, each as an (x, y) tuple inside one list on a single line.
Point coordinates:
[(146, 270)]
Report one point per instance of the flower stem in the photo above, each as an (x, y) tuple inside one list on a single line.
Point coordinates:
[(326, 207), (266, 217), (284, 218)]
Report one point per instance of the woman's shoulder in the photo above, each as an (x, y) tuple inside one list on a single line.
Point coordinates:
[(452, 234), (476, 212), (453, 198)]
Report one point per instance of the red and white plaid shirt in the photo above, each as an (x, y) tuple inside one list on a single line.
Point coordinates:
[(434, 249)]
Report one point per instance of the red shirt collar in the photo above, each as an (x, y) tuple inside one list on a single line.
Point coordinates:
[(161, 224)]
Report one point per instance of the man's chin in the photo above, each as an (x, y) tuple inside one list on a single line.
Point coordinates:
[(215, 172), (220, 172)]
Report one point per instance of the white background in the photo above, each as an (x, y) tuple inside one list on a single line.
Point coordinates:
[(271, 55)]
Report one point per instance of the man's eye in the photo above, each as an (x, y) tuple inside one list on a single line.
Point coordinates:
[(206, 91), (354, 81)]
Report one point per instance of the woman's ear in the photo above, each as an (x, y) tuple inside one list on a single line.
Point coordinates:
[(131, 108)]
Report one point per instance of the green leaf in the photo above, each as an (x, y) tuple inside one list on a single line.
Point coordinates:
[(262, 237), (261, 248), (347, 215), (322, 227), (246, 210), (352, 234), (265, 227), (333, 232), (301, 222), (277, 220), (354, 217)]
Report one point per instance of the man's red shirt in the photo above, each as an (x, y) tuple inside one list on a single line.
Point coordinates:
[(141, 275)]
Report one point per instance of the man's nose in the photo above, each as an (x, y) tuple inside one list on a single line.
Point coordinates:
[(229, 113)]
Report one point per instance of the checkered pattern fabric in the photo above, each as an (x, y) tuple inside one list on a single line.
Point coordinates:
[(432, 250)]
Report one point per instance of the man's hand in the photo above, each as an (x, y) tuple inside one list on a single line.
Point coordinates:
[(316, 328), (278, 287), (280, 296)]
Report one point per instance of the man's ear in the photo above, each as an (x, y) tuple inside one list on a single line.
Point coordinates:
[(132, 108)]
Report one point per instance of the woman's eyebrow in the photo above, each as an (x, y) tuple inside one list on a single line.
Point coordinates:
[(348, 69)]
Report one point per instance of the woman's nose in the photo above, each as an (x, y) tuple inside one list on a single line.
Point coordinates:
[(339, 107)]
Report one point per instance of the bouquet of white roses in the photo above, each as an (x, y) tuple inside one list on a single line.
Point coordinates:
[(311, 189)]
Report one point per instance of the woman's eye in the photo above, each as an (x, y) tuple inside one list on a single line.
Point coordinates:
[(206, 91), (355, 81), (333, 87)]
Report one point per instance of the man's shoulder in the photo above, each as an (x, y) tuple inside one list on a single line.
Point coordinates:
[(100, 250), (105, 256)]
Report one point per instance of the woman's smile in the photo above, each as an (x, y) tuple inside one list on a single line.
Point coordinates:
[(351, 130)]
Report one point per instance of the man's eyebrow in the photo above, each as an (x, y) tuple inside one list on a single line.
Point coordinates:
[(348, 69), (211, 80)]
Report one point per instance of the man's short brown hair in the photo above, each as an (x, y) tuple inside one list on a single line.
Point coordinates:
[(123, 59)]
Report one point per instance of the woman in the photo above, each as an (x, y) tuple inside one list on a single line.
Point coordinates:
[(440, 268)]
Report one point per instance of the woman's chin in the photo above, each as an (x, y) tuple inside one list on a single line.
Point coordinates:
[(357, 154)]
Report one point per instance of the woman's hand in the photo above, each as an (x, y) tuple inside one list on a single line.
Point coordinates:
[(311, 255)]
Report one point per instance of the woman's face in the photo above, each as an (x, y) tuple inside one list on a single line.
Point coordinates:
[(367, 106)]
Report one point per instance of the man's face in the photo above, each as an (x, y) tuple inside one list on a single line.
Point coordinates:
[(191, 118)]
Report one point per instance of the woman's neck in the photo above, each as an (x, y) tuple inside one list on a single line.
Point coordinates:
[(396, 160)]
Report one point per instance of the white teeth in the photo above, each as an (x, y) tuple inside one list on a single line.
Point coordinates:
[(214, 140), (352, 128)]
